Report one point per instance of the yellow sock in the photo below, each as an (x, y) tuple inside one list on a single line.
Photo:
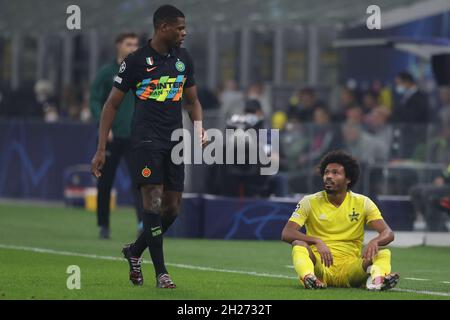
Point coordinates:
[(302, 262), (381, 265)]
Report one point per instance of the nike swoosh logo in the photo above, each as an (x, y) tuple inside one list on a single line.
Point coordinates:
[(151, 69), (153, 229)]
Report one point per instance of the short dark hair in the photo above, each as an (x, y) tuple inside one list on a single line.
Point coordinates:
[(252, 106), (406, 76), (125, 35), (166, 14), (350, 164)]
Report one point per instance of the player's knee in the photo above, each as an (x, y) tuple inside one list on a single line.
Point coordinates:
[(170, 210), (386, 253), (151, 198)]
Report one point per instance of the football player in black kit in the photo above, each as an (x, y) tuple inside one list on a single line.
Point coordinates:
[(161, 76)]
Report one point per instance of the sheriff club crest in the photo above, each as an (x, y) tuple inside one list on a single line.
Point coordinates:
[(354, 216)]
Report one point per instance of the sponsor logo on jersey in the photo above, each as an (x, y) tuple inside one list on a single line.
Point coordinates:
[(162, 89)]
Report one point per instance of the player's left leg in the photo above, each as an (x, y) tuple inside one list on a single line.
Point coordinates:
[(379, 269), (170, 207)]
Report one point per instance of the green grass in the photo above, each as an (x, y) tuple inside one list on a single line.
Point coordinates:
[(26, 274)]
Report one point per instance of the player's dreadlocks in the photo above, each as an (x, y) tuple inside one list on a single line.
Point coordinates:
[(350, 164)]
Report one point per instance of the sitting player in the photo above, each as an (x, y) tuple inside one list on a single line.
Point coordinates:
[(330, 253)]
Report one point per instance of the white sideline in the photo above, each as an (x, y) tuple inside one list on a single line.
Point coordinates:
[(186, 266)]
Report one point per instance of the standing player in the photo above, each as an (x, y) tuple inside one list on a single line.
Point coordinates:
[(118, 144), (330, 251), (161, 75)]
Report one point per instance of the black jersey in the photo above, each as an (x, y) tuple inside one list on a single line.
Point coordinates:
[(157, 82)]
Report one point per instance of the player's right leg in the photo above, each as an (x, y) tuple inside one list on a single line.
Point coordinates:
[(304, 260)]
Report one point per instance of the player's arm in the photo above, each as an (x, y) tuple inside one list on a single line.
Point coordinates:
[(194, 109), (385, 236), (291, 232), (106, 120)]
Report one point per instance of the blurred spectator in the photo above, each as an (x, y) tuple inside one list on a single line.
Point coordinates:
[(413, 106), (437, 148), (364, 146), (279, 120), (410, 115), (369, 102), (324, 137), (44, 101), (426, 201), (348, 99), (354, 114), (256, 91), (377, 125), (246, 179), (231, 99), (302, 105)]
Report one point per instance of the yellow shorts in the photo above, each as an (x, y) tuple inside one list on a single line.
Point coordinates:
[(345, 272)]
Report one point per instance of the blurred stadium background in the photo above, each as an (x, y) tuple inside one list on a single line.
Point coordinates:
[(320, 75)]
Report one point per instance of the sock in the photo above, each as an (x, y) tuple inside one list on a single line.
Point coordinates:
[(381, 265), (138, 247), (302, 262), (140, 244), (154, 240), (167, 221)]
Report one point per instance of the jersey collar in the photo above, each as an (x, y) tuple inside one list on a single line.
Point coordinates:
[(156, 54), (346, 197)]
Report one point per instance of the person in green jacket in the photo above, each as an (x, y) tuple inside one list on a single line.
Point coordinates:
[(118, 145)]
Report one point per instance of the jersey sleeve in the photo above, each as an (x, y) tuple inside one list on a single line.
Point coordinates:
[(371, 211), (301, 212), (124, 80), (190, 72)]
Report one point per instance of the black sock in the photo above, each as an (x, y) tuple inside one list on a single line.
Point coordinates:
[(167, 221), (154, 239), (139, 245)]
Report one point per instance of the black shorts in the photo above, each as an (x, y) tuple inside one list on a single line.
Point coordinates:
[(153, 165)]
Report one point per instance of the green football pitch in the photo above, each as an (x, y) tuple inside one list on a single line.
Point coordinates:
[(38, 243)]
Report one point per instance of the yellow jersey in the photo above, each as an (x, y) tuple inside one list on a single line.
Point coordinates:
[(341, 228)]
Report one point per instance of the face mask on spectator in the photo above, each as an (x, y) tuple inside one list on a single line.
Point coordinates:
[(400, 89)]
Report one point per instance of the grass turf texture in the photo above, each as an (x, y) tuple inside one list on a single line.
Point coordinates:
[(35, 275)]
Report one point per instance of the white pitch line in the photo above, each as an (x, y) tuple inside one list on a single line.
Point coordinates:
[(186, 266), (417, 279), (446, 282)]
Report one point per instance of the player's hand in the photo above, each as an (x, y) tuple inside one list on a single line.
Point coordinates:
[(110, 136), (204, 137), (97, 163), (371, 250), (325, 253)]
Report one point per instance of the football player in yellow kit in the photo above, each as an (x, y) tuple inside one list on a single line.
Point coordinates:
[(330, 253)]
